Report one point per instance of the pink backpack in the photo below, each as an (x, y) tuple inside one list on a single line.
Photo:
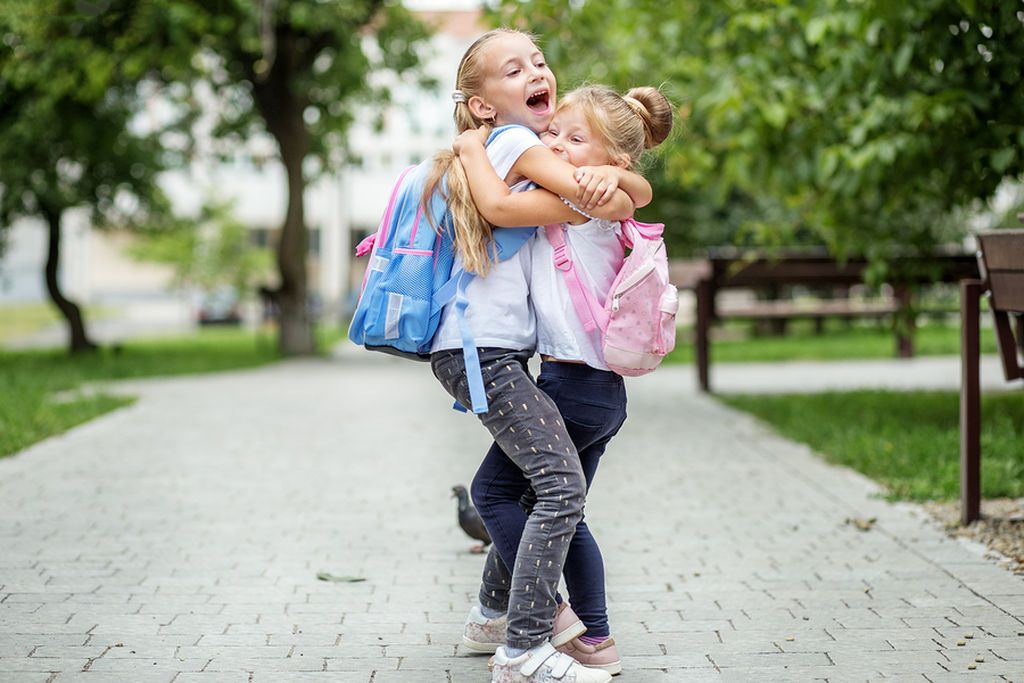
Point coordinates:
[(638, 321)]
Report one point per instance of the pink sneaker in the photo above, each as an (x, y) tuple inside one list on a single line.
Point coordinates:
[(481, 634), (567, 626), (603, 656)]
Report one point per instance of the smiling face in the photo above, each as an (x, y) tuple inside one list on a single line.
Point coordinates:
[(518, 87), (571, 137)]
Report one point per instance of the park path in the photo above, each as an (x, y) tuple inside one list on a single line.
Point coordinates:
[(179, 540)]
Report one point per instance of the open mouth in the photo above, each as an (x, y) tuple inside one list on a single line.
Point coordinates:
[(538, 101)]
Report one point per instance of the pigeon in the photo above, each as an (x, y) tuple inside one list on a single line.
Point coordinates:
[(469, 520)]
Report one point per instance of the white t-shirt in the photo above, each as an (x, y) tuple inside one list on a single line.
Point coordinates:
[(597, 257), (499, 312)]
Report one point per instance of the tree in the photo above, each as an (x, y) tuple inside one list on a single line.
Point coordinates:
[(66, 105), (865, 123), (293, 68)]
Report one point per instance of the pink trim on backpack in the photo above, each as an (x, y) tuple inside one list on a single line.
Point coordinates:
[(413, 252), (415, 224), (365, 246), (370, 243)]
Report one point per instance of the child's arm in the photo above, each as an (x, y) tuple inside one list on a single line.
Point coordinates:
[(592, 193), (499, 205), (543, 167)]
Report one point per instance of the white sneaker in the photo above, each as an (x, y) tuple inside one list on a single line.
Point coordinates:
[(482, 634), (542, 664)]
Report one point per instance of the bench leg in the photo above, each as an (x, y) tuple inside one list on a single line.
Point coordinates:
[(701, 342), (904, 322), (970, 402), (1020, 333)]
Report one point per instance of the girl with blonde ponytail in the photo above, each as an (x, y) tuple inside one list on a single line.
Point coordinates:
[(503, 79), (593, 126)]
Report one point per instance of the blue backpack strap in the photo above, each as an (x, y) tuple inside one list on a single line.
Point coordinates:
[(470, 356), (495, 132), (509, 241)]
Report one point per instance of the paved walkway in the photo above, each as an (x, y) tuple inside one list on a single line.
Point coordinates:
[(179, 540)]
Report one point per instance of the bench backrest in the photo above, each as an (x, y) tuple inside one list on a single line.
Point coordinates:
[(1001, 264), (731, 267)]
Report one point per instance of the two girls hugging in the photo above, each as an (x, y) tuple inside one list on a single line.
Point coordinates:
[(549, 434)]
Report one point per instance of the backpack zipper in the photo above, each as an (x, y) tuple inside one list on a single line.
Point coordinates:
[(632, 281)]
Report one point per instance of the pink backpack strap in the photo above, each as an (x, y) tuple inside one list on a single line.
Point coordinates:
[(649, 231), (592, 314)]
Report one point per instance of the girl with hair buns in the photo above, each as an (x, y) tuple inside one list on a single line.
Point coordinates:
[(503, 79), (592, 127)]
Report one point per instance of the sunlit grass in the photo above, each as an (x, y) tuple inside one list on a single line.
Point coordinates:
[(41, 391), (735, 343), (20, 320), (907, 441)]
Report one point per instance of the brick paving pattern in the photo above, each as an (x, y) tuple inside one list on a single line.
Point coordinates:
[(179, 541)]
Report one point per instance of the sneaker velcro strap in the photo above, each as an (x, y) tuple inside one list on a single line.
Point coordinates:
[(539, 657), (561, 665)]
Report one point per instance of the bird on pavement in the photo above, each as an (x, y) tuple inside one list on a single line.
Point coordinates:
[(469, 520)]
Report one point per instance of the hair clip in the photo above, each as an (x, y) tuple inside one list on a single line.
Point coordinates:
[(458, 96)]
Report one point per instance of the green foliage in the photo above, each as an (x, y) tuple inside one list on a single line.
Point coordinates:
[(907, 441), (293, 69), (210, 252), (66, 104), (863, 124), (316, 57)]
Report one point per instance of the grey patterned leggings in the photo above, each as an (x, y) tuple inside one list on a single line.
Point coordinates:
[(527, 426)]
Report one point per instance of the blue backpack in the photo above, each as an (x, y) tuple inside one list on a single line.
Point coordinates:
[(410, 278)]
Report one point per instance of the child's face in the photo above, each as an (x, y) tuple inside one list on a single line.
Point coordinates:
[(518, 86), (571, 138)]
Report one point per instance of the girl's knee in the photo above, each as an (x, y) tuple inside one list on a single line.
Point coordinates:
[(478, 494), (566, 498)]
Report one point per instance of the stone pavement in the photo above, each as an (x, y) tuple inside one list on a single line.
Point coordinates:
[(179, 540)]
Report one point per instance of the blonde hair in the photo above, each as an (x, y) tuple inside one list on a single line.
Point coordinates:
[(628, 124), (472, 231)]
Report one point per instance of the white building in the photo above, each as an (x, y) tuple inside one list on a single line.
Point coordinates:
[(339, 207)]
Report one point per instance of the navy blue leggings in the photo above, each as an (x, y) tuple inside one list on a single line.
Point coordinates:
[(593, 406)]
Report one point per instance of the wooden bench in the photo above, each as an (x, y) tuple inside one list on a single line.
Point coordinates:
[(1001, 280), (733, 268)]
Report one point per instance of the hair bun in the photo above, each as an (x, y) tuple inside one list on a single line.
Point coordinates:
[(654, 110)]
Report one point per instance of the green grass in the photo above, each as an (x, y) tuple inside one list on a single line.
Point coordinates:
[(20, 320), (734, 343), (907, 441), (41, 391)]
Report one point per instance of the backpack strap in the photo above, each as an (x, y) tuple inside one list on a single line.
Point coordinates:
[(495, 132), (590, 312), (648, 231), (509, 241)]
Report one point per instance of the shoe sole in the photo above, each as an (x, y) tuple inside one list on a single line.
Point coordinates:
[(614, 668), (573, 631), (482, 648)]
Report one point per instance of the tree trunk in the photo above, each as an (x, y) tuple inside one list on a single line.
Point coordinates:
[(296, 331), (282, 109), (79, 340)]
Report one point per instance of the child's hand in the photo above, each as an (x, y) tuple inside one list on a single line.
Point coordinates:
[(597, 185), (471, 137)]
